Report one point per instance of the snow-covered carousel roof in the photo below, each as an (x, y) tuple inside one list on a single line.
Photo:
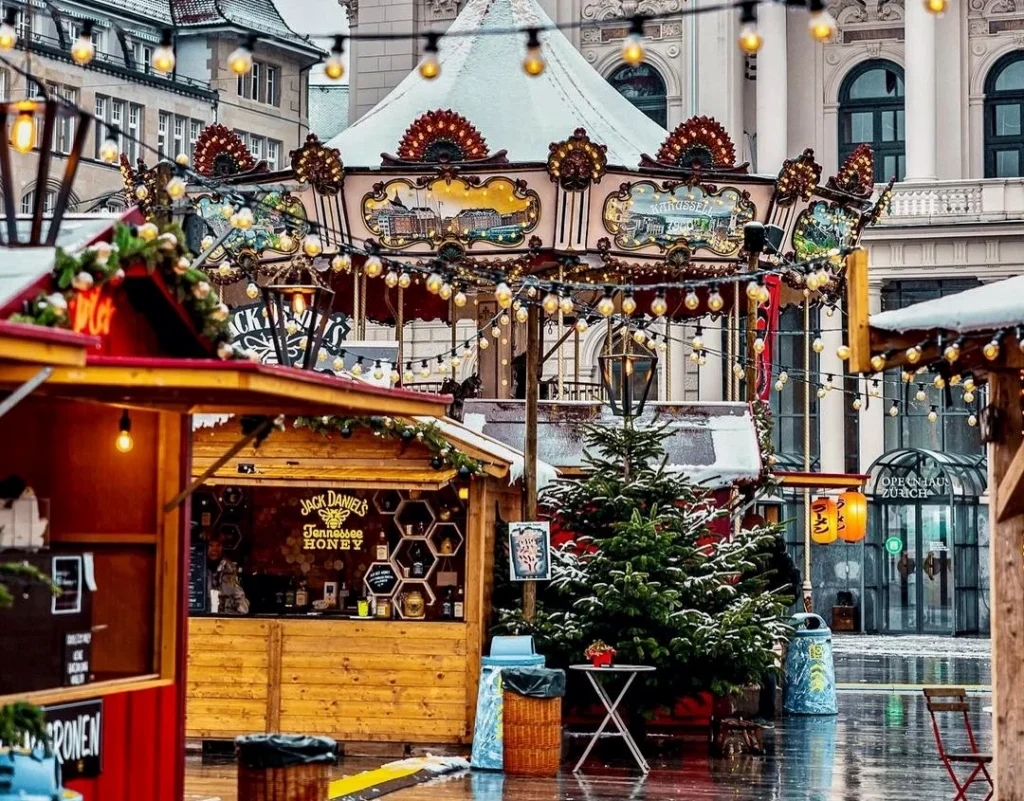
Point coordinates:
[(482, 79)]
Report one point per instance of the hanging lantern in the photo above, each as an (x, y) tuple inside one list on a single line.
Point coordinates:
[(824, 521), (852, 516), (297, 311)]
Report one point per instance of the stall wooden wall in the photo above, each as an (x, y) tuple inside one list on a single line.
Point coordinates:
[(352, 680)]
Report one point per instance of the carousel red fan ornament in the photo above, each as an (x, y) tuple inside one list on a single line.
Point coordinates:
[(220, 152), (857, 175), (442, 136), (699, 142)]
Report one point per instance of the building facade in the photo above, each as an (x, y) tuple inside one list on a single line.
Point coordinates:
[(156, 114)]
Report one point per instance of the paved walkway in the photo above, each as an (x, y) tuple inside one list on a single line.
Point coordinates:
[(905, 664)]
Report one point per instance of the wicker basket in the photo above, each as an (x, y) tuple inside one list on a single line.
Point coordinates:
[(295, 783), (532, 729)]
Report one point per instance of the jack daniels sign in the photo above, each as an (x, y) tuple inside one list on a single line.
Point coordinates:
[(250, 330), (76, 737)]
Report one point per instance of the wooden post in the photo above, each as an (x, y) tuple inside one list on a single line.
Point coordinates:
[(1007, 571), (533, 347)]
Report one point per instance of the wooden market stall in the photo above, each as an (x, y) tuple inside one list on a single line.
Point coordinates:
[(96, 433), (316, 523), (976, 334)]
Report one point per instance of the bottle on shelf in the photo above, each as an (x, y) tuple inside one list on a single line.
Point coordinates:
[(421, 528), (459, 606), (289, 595), (448, 604), (382, 547), (417, 556), (302, 595)]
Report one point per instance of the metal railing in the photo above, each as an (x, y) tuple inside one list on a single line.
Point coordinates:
[(571, 390)]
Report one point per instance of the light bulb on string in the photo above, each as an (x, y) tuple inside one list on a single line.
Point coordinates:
[(822, 392), (357, 368), (252, 290), (894, 409), (936, 7), (921, 395), (176, 188), (753, 290), (429, 67), (939, 382), (779, 386), (503, 294), (691, 301), (483, 344), (404, 280), (582, 326), (8, 33), (818, 346), (697, 343), (972, 420), (504, 320), (659, 306), (124, 441), (566, 305), (341, 263), (391, 279), (334, 67), (84, 49), (715, 300), (857, 404), (954, 379), (873, 391), (240, 59), (933, 415), (445, 292), (749, 39), (23, 129), (759, 346), (968, 397), (408, 376), (952, 352), (434, 281), (828, 382), (878, 362), (784, 377), (991, 350), (495, 332), (312, 246), (969, 385), (737, 370), (606, 306), (164, 59), (110, 150), (522, 315), (820, 23), (550, 303), (460, 299), (633, 46), (914, 353), (639, 337), (843, 352), (533, 63), (425, 369), (628, 304)]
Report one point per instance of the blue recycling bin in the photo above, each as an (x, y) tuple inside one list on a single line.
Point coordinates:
[(506, 652), (30, 775), (810, 685)]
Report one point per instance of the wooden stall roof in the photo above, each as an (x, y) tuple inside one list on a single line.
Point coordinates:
[(822, 480), (369, 477), (201, 385), (34, 344)]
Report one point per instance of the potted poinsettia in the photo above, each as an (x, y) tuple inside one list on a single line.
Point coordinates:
[(600, 654)]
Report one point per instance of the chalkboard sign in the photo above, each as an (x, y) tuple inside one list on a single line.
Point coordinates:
[(198, 597), (381, 578), (67, 575), (77, 650), (75, 735)]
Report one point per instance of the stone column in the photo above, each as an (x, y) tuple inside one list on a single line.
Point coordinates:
[(919, 50), (772, 94)]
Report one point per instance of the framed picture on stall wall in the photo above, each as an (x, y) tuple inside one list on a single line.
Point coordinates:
[(529, 551)]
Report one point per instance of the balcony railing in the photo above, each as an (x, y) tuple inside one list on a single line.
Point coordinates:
[(945, 202), (571, 390)]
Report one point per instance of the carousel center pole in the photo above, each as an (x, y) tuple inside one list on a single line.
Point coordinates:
[(808, 586), (530, 446)]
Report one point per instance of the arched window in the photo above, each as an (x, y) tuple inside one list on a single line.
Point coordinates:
[(871, 111), (644, 87), (1004, 107)]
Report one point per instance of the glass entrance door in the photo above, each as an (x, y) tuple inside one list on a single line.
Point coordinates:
[(917, 572)]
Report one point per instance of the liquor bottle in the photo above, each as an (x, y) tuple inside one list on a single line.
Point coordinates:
[(302, 596), (418, 569), (448, 605), (382, 547), (421, 528), (459, 607), (289, 595)]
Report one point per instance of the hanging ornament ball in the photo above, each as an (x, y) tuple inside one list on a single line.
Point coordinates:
[(817, 345), (843, 352), (345, 432)]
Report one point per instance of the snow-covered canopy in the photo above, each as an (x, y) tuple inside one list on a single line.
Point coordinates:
[(482, 79), (984, 308)]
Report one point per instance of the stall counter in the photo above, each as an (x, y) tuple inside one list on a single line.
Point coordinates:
[(362, 680)]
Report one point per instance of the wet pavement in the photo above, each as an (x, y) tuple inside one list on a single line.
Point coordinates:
[(880, 746)]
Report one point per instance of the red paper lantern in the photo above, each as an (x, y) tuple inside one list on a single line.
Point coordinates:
[(824, 521), (852, 509)]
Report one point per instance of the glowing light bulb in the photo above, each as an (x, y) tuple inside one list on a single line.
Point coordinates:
[(503, 294), (240, 60), (817, 345), (968, 397), (939, 382), (878, 362), (659, 305), (522, 315), (23, 129), (606, 306), (753, 290), (857, 404), (582, 326), (109, 150), (822, 25), (445, 292), (404, 280), (334, 67), (124, 441), (779, 386), (822, 392), (163, 56), (697, 343), (972, 420), (533, 63), (750, 39), (312, 246), (84, 49), (843, 352), (628, 305), (913, 354), (299, 304), (951, 353), (759, 346), (991, 350), (639, 337), (460, 299), (357, 369), (566, 305), (691, 301), (391, 279), (936, 6), (341, 263), (8, 34), (894, 409), (434, 282), (252, 291), (921, 394), (176, 188), (483, 344), (429, 67), (550, 303), (932, 415), (715, 300), (783, 376)]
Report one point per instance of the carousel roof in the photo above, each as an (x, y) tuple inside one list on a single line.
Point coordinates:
[(482, 79)]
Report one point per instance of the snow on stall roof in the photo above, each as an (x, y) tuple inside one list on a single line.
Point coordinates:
[(984, 308), (713, 444), (482, 78)]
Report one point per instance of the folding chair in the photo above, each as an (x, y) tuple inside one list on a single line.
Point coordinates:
[(954, 699)]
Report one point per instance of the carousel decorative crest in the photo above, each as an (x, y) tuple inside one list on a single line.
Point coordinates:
[(857, 175), (699, 143), (318, 165), (877, 211), (279, 224), (577, 162), (442, 136), (798, 179), (822, 228), (219, 153), (139, 185)]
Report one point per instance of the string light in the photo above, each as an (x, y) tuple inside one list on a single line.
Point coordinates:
[(936, 6), (240, 59), (991, 350), (566, 305), (753, 290), (503, 295), (550, 303), (445, 292), (968, 397), (606, 306), (341, 263), (914, 353), (334, 67), (933, 415), (633, 45), (582, 326), (408, 376), (822, 392), (818, 346), (878, 362), (939, 382), (84, 49), (434, 282), (164, 59), (779, 386), (972, 420), (425, 369), (894, 409), (483, 344), (921, 395), (429, 67), (522, 315), (460, 299), (750, 39), (534, 63), (391, 279), (697, 343), (857, 404), (639, 337), (404, 281), (691, 301), (8, 33), (628, 304), (759, 346), (952, 352), (715, 300), (843, 352), (311, 246), (738, 371), (110, 150), (357, 368), (124, 441), (175, 188)]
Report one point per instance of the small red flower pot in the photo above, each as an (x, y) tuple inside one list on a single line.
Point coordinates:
[(603, 659)]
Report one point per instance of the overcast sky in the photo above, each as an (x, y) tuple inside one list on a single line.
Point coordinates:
[(316, 17)]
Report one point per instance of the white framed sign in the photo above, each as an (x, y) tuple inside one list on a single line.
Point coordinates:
[(529, 551)]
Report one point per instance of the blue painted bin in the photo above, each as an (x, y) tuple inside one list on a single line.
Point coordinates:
[(810, 682), (31, 775), (506, 652)]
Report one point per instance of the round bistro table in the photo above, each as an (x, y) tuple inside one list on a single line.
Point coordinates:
[(613, 717)]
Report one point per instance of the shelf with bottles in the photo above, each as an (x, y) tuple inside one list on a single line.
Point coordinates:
[(414, 559), (445, 540), (414, 518)]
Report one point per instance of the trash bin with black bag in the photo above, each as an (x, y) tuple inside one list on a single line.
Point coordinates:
[(284, 767), (532, 725)]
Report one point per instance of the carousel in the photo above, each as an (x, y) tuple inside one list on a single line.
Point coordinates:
[(479, 190)]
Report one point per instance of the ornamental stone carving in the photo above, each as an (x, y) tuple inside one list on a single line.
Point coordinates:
[(612, 9), (440, 10), (858, 12), (351, 10)]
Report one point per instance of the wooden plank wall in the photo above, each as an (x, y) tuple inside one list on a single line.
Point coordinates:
[(351, 680)]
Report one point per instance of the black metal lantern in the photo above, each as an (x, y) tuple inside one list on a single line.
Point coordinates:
[(297, 315), (27, 122), (990, 422), (632, 367)]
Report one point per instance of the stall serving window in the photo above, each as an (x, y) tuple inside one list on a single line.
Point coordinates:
[(274, 551)]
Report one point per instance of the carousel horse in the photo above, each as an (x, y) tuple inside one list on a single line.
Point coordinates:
[(470, 388)]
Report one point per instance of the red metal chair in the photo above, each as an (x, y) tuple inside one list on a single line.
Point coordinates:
[(954, 699)]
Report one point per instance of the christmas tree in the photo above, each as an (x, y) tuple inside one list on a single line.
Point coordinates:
[(644, 573)]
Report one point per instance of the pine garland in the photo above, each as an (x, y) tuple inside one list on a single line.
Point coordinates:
[(444, 453), (159, 249)]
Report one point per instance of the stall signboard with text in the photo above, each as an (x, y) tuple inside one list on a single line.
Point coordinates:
[(76, 737), (529, 548), (335, 527)]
